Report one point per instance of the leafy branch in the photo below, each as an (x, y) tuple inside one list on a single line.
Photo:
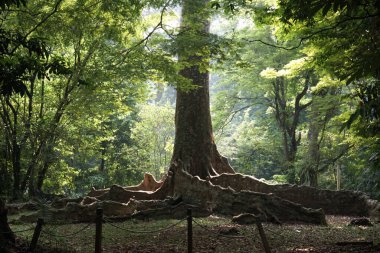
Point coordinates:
[(55, 9), (145, 40), (311, 35)]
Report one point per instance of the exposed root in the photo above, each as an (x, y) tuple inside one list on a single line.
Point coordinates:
[(61, 203), (148, 184), (220, 163), (332, 202), (97, 192), (159, 190), (178, 211), (247, 218), (226, 194), (179, 190), (229, 202), (21, 207), (86, 210)]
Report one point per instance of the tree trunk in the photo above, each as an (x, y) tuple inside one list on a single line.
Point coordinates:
[(7, 238), (16, 166), (194, 145), (5, 176), (103, 151), (309, 174), (41, 176), (319, 116), (288, 121)]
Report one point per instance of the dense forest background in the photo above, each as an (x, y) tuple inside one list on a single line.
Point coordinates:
[(88, 92)]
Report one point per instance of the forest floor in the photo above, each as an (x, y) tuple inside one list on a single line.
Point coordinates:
[(212, 234)]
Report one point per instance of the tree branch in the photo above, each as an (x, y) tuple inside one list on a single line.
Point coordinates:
[(303, 107), (302, 39), (55, 9), (231, 117), (145, 40), (336, 158)]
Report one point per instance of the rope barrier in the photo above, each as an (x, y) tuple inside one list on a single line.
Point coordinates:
[(67, 235), (143, 231), (218, 234), (18, 231)]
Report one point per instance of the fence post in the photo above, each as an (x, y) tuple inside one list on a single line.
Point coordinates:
[(263, 237), (36, 235), (98, 230), (189, 231)]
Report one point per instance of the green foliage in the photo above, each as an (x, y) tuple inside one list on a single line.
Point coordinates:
[(4, 4), (154, 138), (253, 85), (76, 75), (327, 28), (77, 96)]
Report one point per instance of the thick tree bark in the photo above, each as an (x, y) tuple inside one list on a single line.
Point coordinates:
[(194, 145)]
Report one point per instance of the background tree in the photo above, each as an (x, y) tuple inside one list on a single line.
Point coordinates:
[(277, 95), (84, 53), (320, 30), (288, 117), (351, 59), (154, 136)]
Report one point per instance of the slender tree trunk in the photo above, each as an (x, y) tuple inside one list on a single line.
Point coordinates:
[(309, 175), (47, 161), (288, 122), (318, 120), (5, 177), (16, 166), (103, 151), (338, 177), (41, 176)]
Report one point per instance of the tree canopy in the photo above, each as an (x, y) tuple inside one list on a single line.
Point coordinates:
[(294, 95), (94, 94)]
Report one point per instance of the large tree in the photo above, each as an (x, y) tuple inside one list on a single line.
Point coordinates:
[(196, 174), (194, 143)]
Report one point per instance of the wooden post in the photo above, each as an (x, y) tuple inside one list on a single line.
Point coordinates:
[(189, 231), (376, 234), (36, 235), (263, 237), (98, 230)]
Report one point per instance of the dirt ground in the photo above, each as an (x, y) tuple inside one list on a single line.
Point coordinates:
[(338, 237), (212, 234)]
